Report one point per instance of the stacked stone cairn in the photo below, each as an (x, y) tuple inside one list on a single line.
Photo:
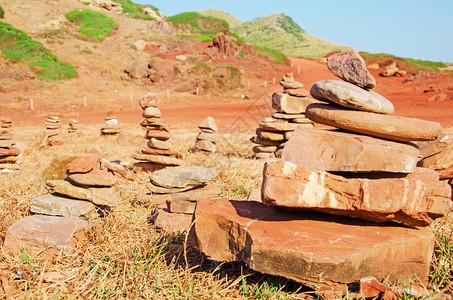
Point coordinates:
[(53, 130), (158, 152), (9, 154), (207, 138), (274, 132), (73, 125), (178, 189), (111, 125), (324, 203)]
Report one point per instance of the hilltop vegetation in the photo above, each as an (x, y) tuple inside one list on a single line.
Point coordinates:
[(204, 27), (92, 24), (281, 32), (16, 45), (406, 63), (220, 14)]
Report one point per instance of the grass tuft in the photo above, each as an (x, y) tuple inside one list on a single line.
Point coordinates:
[(275, 55), (203, 26), (92, 24), (16, 45), (136, 10)]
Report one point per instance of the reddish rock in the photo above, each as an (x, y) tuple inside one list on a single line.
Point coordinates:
[(159, 144), (439, 161), (270, 135), (159, 159), (325, 150), (289, 104), (170, 222), (415, 199), (446, 173), (149, 100), (152, 151), (44, 236), (119, 169), (148, 166), (225, 45), (378, 125), (205, 146), (158, 134), (12, 151), (181, 206), (83, 164), (351, 67), (95, 177), (296, 92), (309, 247), (438, 97), (433, 147)]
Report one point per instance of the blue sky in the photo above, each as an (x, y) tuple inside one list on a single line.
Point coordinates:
[(408, 28)]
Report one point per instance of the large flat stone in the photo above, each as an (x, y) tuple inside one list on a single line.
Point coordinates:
[(182, 176), (44, 236), (208, 191), (208, 123), (99, 196), (309, 247), (282, 126), (205, 146), (349, 95), (270, 135), (414, 199), (83, 164), (181, 206), (158, 134), (54, 205), (378, 125), (171, 222), (288, 104), (436, 146), (439, 161), (351, 67), (325, 150), (152, 151), (160, 159), (11, 151), (95, 177)]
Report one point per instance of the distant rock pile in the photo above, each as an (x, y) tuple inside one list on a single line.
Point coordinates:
[(73, 125), (393, 70), (53, 130), (299, 231), (158, 152), (207, 138), (9, 154), (179, 188), (111, 125), (273, 132)]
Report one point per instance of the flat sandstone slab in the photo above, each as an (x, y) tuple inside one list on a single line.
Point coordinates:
[(309, 247), (54, 205), (325, 150), (415, 199), (378, 125)]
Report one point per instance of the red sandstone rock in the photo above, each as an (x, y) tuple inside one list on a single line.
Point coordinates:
[(95, 177), (149, 100), (171, 222), (309, 247), (12, 151), (152, 151), (83, 164)]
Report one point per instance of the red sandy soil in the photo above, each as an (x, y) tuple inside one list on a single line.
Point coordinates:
[(183, 110)]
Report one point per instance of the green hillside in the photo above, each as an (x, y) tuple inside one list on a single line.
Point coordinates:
[(281, 32), (218, 13)]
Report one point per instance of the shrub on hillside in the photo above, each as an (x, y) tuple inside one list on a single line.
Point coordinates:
[(92, 24), (274, 55), (206, 26), (16, 45)]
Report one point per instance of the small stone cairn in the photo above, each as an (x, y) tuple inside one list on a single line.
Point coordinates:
[(367, 173), (207, 138), (178, 189), (53, 130), (273, 132), (73, 126), (158, 152), (9, 154), (111, 125)]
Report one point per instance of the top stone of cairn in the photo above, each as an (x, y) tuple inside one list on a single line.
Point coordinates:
[(351, 67)]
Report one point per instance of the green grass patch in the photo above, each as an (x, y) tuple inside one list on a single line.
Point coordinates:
[(2, 12), (196, 37), (136, 10), (16, 45), (276, 55), (202, 67), (86, 3), (200, 24), (92, 24), (413, 64)]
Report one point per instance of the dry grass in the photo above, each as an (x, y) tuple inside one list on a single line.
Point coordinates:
[(126, 257)]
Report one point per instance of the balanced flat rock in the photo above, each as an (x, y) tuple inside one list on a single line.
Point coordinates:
[(11, 151), (54, 205), (283, 126), (414, 199), (288, 104), (205, 192), (181, 206), (44, 235), (208, 123), (309, 247), (270, 135), (349, 95), (351, 67), (160, 159), (171, 222), (158, 134), (152, 151), (378, 125), (158, 144), (95, 177), (205, 146), (151, 112), (324, 150), (182, 176), (83, 164), (148, 100)]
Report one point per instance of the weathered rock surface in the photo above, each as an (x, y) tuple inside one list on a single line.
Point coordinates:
[(297, 92), (158, 134), (378, 125), (149, 99), (439, 161), (170, 222), (324, 150), (288, 104), (159, 159), (181, 206), (415, 199), (436, 146), (13, 151), (284, 116), (283, 126), (262, 142), (147, 150), (205, 145), (351, 96), (44, 235), (351, 67), (99, 196), (207, 137), (83, 164), (158, 144), (270, 135), (266, 149), (151, 112), (208, 123), (205, 192), (95, 177), (182, 176), (291, 85), (61, 206), (309, 247)]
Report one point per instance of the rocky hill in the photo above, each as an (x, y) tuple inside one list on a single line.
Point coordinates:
[(280, 32), (218, 13)]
